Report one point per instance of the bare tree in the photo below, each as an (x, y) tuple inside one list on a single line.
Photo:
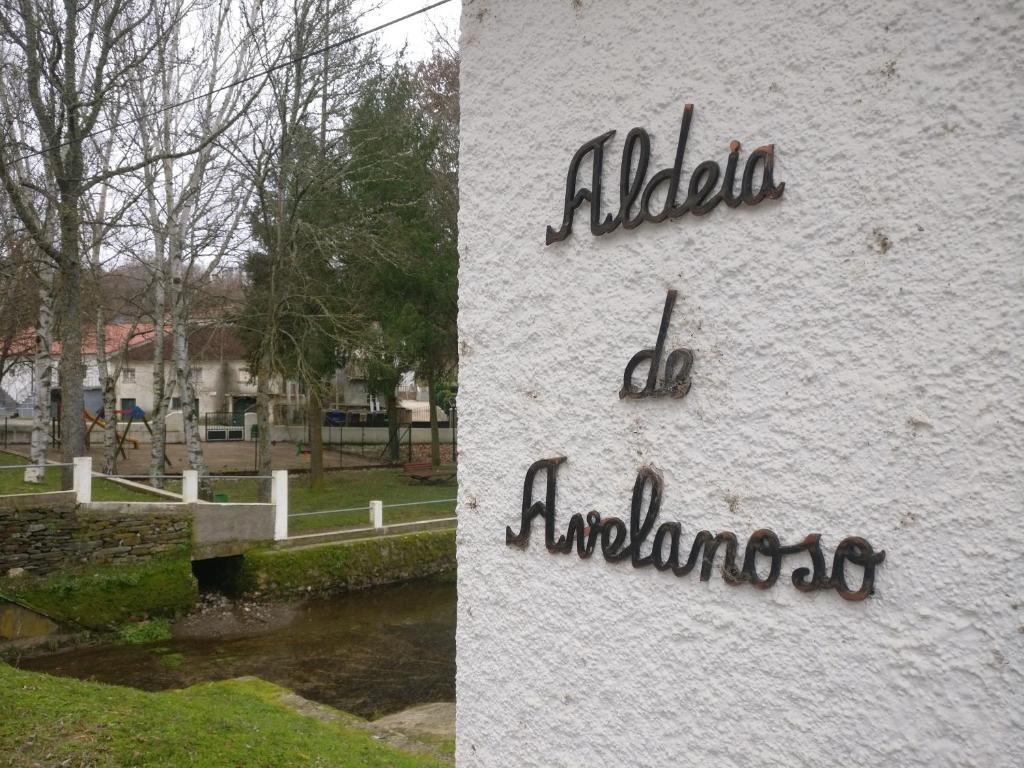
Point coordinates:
[(74, 62), (70, 59), (42, 270), (193, 205)]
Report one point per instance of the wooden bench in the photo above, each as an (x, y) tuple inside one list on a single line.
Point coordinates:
[(424, 472)]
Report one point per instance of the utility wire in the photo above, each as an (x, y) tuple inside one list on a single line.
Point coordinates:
[(263, 73)]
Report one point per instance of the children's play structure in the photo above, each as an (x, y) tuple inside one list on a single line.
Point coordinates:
[(122, 436)]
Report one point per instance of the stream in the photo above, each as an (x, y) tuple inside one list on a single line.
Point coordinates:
[(370, 653)]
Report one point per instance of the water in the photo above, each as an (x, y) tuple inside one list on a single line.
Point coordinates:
[(369, 653)]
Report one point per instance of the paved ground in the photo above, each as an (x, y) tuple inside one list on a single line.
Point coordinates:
[(430, 720), (223, 457), (429, 728)]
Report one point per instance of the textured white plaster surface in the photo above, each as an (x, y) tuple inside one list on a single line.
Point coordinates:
[(858, 371)]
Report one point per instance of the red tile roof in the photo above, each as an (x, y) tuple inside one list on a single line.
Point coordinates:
[(116, 333)]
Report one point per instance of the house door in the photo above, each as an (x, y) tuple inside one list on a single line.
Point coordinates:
[(239, 407)]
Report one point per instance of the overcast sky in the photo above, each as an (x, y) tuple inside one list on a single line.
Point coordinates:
[(417, 31)]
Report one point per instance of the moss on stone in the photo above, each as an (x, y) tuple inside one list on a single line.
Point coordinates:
[(348, 565), (143, 632), (100, 597)]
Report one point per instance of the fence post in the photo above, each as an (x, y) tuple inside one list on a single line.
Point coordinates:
[(83, 479), (279, 498), (377, 514), (189, 486)]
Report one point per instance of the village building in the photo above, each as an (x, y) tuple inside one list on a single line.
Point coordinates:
[(225, 387)]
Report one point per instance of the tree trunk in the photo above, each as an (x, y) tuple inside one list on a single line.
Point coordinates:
[(435, 437), (393, 426), (107, 377), (108, 381), (161, 392), (263, 428), (158, 416), (42, 377), (72, 376), (182, 370), (187, 392), (315, 417)]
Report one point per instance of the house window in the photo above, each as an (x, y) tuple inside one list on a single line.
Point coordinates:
[(176, 404), (128, 375), (245, 376)]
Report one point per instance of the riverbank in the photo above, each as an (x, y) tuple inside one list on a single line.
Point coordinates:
[(105, 597), (346, 566), (57, 721), (102, 597), (371, 653)]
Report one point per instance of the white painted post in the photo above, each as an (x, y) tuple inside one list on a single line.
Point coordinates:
[(279, 498), (190, 486), (377, 514), (82, 475)]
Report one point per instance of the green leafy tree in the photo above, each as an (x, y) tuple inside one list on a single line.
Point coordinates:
[(297, 297), (402, 167)]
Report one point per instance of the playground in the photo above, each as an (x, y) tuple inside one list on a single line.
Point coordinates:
[(223, 457)]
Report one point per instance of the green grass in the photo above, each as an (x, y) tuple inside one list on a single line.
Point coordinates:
[(358, 488), (58, 721), (144, 632), (12, 482), (101, 597)]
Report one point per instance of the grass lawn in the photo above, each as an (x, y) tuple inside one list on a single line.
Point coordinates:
[(58, 721), (346, 489), (343, 490), (12, 481)]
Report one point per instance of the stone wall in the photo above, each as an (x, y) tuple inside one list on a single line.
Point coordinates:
[(45, 533), (345, 566)]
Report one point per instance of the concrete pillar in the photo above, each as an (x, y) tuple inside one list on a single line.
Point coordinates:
[(377, 514), (83, 479), (279, 498), (189, 486)]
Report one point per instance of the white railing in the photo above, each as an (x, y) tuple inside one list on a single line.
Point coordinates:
[(83, 476), (375, 509)]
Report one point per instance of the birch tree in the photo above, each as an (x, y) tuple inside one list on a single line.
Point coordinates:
[(194, 205)]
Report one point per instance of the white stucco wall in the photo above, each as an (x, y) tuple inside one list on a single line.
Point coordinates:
[(858, 371)]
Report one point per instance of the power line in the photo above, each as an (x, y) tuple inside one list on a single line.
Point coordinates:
[(263, 73)]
